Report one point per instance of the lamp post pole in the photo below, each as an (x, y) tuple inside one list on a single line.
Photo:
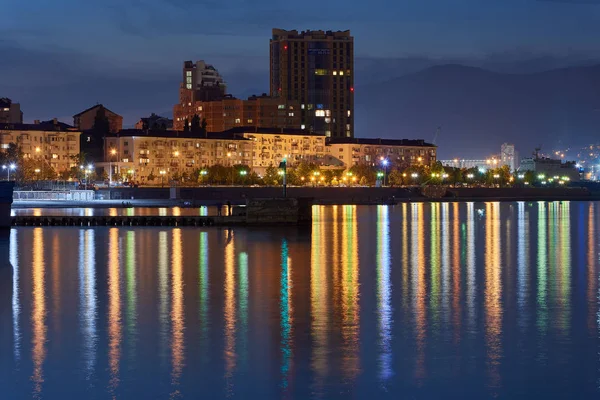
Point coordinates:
[(283, 167)]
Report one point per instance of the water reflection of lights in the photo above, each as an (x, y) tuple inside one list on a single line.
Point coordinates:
[(522, 263), (456, 274), (204, 286), (350, 293), (114, 310), (384, 293), (542, 280), (38, 313), (131, 276), (319, 296), (87, 295), (16, 292), (285, 315), (163, 291), (230, 317), (177, 315), (419, 291), (492, 302)]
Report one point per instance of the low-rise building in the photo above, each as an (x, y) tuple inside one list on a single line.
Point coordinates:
[(550, 168), (54, 142), (10, 113), (86, 119), (171, 153), (400, 153), (270, 146)]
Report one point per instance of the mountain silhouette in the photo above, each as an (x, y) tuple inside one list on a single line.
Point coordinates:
[(478, 110)]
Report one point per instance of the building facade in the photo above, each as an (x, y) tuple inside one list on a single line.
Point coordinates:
[(271, 146), (10, 113), (166, 154), (229, 112), (316, 69), (55, 143), (86, 119), (200, 82), (507, 155), (399, 153)]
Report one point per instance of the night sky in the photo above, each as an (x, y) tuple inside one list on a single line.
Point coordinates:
[(59, 57)]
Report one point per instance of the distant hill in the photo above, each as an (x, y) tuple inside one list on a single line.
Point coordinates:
[(478, 110)]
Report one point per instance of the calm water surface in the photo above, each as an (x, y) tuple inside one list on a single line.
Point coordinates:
[(417, 301)]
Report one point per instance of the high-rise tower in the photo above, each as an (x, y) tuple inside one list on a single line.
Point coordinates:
[(316, 68)]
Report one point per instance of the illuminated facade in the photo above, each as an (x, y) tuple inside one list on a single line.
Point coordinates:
[(142, 154), (54, 142), (270, 146), (400, 153), (316, 68)]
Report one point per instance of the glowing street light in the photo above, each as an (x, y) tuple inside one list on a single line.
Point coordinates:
[(113, 152), (162, 173), (8, 168), (470, 176)]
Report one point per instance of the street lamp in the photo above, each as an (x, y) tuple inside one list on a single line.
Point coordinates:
[(113, 152), (380, 175), (8, 168), (414, 175), (243, 174), (385, 163), (37, 174), (162, 176), (203, 174)]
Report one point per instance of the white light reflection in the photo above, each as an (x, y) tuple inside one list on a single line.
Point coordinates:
[(16, 303), (384, 294), (87, 296)]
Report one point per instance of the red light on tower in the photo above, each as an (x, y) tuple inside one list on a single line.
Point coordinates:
[(352, 89), (285, 47)]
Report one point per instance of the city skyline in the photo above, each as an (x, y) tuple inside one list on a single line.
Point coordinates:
[(134, 67)]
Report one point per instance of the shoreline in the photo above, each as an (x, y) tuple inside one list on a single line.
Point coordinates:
[(159, 203)]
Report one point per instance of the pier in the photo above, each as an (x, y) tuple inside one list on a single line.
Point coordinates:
[(258, 212)]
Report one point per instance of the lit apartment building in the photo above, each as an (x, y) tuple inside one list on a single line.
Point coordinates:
[(271, 146), (52, 141), (229, 112), (400, 153), (316, 68), (170, 153)]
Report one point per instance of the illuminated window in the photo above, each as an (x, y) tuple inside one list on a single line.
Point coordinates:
[(349, 113), (328, 133), (334, 73), (310, 106), (189, 104), (291, 114), (188, 79), (55, 156), (188, 73), (200, 108), (188, 86), (328, 113), (342, 73), (347, 126), (5, 145), (301, 127), (327, 120), (321, 72), (249, 121), (319, 113), (237, 120), (302, 106), (281, 107)]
